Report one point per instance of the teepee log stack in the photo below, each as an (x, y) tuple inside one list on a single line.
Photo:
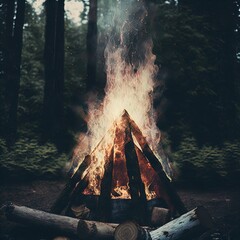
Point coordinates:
[(137, 190)]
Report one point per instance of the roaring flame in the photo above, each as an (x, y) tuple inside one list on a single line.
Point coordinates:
[(129, 87)]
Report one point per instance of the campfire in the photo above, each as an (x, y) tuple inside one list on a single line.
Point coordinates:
[(131, 197), (130, 172), (120, 185)]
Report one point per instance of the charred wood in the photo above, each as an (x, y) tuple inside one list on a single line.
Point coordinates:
[(157, 166), (104, 205), (64, 197), (137, 189)]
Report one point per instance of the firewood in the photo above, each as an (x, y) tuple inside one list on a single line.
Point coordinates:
[(35, 218), (59, 224), (137, 189), (188, 226), (76, 194), (95, 230), (160, 216), (156, 165), (64, 196), (104, 204), (131, 231)]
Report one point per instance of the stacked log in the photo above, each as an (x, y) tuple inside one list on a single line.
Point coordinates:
[(187, 226)]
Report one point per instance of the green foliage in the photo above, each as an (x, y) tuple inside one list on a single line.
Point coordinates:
[(207, 164), (29, 158), (188, 55)]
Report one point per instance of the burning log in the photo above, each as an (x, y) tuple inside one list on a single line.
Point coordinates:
[(64, 197), (59, 224), (104, 209), (76, 193), (160, 216), (188, 226), (155, 163), (137, 190)]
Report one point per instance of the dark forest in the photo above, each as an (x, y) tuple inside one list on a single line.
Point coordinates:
[(51, 64)]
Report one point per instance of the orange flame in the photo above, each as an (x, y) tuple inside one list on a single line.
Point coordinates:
[(128, 88)]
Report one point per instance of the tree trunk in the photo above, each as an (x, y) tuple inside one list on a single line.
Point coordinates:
[(54, 71), (14, 29), (59, 224), (92, 45)]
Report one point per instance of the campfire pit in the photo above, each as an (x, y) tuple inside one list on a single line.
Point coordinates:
[(133, 187), (132, 184)]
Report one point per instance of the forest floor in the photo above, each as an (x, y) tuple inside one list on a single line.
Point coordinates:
[(222, 203)]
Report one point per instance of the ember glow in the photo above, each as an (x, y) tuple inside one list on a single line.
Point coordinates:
[(129, 88)]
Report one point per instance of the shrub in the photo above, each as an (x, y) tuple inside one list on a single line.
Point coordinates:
[(207, 164), (28, 158)]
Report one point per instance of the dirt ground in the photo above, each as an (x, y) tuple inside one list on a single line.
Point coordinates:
[(223, 205)]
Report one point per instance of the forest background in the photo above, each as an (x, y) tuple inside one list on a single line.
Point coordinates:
[(50, 62)]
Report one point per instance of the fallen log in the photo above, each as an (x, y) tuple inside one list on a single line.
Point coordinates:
[(59, 224), (188, 226)]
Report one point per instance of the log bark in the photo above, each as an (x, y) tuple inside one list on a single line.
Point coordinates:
[(64, 197), (160, 216), (188, 226), (95, 230), (59, 224)]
